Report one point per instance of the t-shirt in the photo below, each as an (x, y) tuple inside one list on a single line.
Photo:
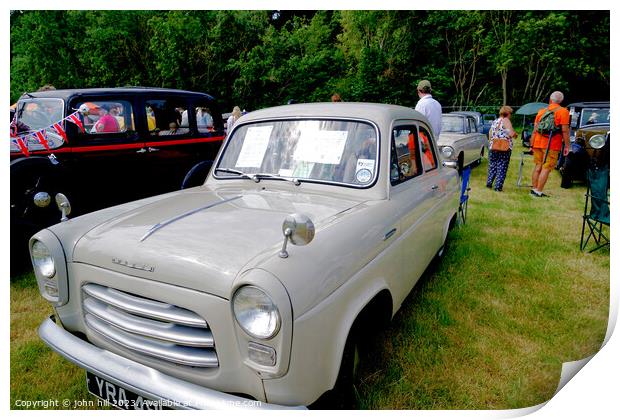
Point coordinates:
[(107, 124), (562, 117)]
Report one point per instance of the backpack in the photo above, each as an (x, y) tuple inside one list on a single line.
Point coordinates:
[(546, 124)]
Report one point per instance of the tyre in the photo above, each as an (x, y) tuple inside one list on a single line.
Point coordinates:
[(342, 396), (27, 179), (197, 175), (566, 171), (479, 161), (460, 163), (567, 182)]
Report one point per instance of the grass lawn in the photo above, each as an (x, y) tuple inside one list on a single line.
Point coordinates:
[(488, 327)]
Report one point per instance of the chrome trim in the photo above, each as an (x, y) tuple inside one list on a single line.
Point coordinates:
[(144, 307), (141, 379), (189, 356), (165, 223), (187, 336)]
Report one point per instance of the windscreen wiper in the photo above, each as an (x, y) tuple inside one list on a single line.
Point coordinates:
[(233, 171), (258, 177)]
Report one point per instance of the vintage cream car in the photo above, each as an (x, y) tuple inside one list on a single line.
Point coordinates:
[(253, 289), (460, 140)]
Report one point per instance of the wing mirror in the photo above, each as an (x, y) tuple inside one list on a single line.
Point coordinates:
[(64, 206), (298, 229)]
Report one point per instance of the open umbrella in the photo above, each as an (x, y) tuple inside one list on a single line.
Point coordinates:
[(531, 108)]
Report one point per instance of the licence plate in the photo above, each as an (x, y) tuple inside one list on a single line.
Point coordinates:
[(120, 397)]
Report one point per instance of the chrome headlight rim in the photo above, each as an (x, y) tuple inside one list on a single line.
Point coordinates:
[(242, 314), (42, 259), (597, 141), (447, 152)]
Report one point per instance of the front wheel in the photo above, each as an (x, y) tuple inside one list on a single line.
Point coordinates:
[(197, 174), (342, 396)]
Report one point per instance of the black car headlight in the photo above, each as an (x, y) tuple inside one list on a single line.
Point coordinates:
[(597, 141)]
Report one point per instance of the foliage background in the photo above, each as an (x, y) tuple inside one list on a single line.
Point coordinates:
[(262, 58)]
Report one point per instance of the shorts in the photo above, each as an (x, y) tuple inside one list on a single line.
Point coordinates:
[(552, 157)]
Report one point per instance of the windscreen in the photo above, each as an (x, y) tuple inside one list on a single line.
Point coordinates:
[(451, 124), (591, 116), (38, 113), (329, 151)]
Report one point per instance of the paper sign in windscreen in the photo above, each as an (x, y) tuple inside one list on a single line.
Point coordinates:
[(254, 147), (321, 146)]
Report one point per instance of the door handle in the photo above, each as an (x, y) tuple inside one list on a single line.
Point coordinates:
[(435, 187), (142, 150), (389, 234), (153, 149)]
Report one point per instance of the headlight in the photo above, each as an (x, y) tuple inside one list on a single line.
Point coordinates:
[(255, 312), (597, 141), (42, 259), (447, 152)]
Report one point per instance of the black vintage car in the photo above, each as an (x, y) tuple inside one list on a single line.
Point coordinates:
[(583, 114), (128, 143), (591, 147)]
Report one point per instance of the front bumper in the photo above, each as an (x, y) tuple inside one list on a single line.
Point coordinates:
[(138, 378)]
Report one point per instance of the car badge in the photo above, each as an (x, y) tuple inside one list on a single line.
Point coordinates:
[(136, 266)]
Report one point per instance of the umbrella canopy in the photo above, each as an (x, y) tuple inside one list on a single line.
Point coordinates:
[(531, 108)]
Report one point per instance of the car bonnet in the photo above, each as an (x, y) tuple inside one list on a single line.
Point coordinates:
[(199, 238)]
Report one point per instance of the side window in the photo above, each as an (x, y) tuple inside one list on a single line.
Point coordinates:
[(167, 117), (429, 160), (204, 117), (472, 125), (107, 117), (405, 158)]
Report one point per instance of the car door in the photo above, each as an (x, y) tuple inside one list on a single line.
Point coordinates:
[(472, 151), (413, 191), (181, 132), (106, 158)]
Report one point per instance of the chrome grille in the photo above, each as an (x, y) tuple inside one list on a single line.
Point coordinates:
[(152, 328)]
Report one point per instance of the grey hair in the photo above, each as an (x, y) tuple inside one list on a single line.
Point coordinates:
[(557, 97)]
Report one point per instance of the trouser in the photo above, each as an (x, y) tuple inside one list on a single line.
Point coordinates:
[(498, 166)]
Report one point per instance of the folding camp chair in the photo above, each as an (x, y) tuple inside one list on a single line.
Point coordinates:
[(596, 210), (462, 215)]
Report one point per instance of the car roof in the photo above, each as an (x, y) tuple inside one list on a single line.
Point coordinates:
[(132, 90), (378, 113), (468, 113), (600, 104)]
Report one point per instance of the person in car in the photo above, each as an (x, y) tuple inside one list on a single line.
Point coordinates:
[(106, 123)]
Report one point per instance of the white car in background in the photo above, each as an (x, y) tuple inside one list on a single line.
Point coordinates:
[(460, 141)]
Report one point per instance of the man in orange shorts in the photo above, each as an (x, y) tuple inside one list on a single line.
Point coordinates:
[(543, 167)]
